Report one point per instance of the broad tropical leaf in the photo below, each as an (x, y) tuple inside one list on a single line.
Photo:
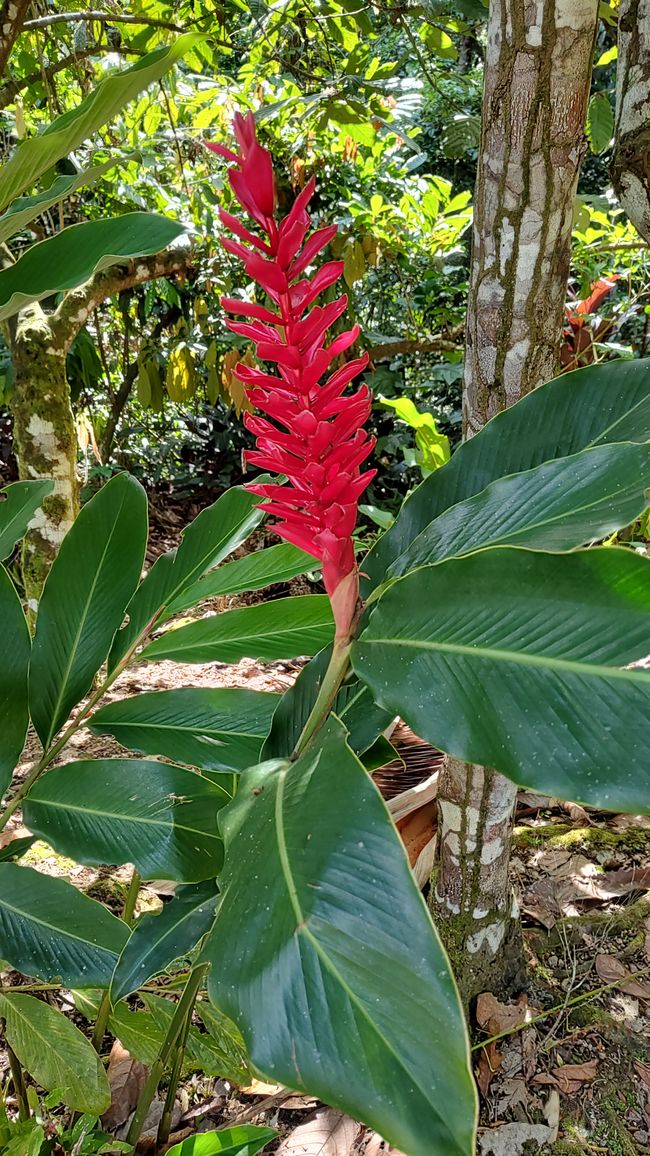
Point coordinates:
[(13, 679), (202, 1052), (51, 930), (161, 818), (253, 572), (284, 628), (212, 729), (332, 994), (594, 406), (18, 504), (84, 599), (243, 1140), (227, 1039), (24, 209), (72, 256), (158, 940), (512, 658), (16, 848), (55, 1053), (214, 534), (37, 154), (361, 717), (555, 506)]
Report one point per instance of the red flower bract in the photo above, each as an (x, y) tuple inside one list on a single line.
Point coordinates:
[(314, 436)]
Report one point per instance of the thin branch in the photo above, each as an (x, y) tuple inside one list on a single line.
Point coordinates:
[(78, 304), (10, 90), (409, 346), (109, 17), (12, 16)]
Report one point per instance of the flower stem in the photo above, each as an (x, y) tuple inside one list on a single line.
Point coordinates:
[(181, 1014), (334, 675), (101, 1023)]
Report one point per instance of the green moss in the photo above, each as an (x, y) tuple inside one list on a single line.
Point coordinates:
[(41, 852), (555, 836), (564, 1148), (612, 1130)]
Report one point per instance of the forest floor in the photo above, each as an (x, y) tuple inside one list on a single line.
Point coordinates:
[(573, 1074)]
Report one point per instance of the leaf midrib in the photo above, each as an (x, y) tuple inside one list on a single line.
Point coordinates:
[(139, 819), (302, 929), (28, 917), (521, 658)]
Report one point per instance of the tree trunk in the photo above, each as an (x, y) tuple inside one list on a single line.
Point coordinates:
[(537, 77), (631, 161), (46, 441)]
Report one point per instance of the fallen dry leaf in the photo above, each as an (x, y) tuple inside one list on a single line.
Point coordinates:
[(510, 1139), (576, 880), (495, 1017), (260, 1088), (376, 1146), (611, 970), (418, 829), (576, 812), (126, 1077), (570, 1077), (325, 1133), (488, 1065), (643, 1070), (552, 1113)]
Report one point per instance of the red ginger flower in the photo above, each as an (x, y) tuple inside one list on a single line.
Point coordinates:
[(314, 436)]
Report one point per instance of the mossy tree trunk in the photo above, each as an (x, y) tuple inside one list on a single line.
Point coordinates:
[(537, 77), (45, 441), (44, 425)]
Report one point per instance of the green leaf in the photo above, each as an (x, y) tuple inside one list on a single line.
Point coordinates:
[(354, 706), (203, 1053), (72, 256), (35, 156), (518, 666), (244, 1140), (51, 930), (556, 506), (214, 534), (227, 1039), (600, 122), (283, 628), (16, 848), (18, 504), (24, 209), (333, 996), (13, 679), (253, 572), (159, 817), (158, 940), (137, 1031), (212, 729), (594, 406), (84, 599), (55, 1053)]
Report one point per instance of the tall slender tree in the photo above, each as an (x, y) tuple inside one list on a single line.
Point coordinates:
[(536, 89)]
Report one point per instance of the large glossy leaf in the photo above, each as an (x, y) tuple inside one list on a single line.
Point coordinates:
[(253, 572), (243, 1140), (362, 718), (594, 406), (24, 209), (37, 154), (72, 256), (511, 658), (84, 599), (50, 930), (284, 628), (161, 818), (555, 506), (18, 504), (214, 534), (211, 729), (55, 1053), (14, 714), (158, 940), (330, 963)]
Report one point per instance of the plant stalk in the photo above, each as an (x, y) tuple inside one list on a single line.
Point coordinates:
[(334, 675), (18, 1079), (103, 1015), (165, 1125), (183, 1012)]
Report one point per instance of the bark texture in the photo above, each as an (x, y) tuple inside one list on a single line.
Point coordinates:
[(537, 74), (12, 18), (537, 77), (44, 426), (631, 161)]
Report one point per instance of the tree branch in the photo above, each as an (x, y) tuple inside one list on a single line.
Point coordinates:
[(10, 90), (12, 17), (79, 303), (408, 346), (109, 17)]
